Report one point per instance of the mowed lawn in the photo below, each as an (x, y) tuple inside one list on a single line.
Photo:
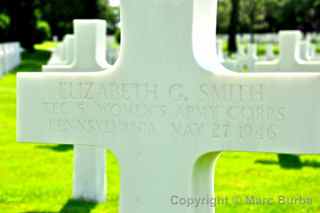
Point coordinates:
[(38, 178)]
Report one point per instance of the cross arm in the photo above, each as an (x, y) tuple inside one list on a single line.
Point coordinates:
[(50, 107), (240, 112), (265, 113)]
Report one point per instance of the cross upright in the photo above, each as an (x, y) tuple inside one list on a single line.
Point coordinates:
[(289, 59), (167, 108), (89, 178)]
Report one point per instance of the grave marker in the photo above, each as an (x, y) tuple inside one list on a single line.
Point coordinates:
[(304, 50), (168, 107), (89, 161), (312, 48), (55, 38), (269, 52), (63, 55), (17, 53), (247, 60), (220, 50), (10, 56), (58, 55)]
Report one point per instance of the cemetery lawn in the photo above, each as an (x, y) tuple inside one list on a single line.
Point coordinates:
[(38, 178)]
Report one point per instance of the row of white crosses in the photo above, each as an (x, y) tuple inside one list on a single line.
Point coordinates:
[(245, 59), (308, 50), (292, 50), (260, 38), (10, 56), (167, 108), (291, 58), (295, 55)]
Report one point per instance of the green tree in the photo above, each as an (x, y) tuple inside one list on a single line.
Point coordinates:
[(22, 21), (252, 17), (112, 15), (224, 9), (4, 27), (60, 14)]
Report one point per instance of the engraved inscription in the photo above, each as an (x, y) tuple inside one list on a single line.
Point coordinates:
[(233, 92), (218, 111), (102, 126), (120, 91)]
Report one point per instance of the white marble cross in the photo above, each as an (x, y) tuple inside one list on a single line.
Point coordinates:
[(62, 55), (64, 52), (312, 47), (10, 56), (307, 50), (167, 108), (269, 52), (289, 59), (89, 161), (9, 59), (237, 64), (60, 51), (246, 61), (241, 51), (304, 50), (18, 52)]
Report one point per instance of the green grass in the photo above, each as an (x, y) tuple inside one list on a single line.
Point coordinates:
[(48, 45), (38, 178), (32, 61)]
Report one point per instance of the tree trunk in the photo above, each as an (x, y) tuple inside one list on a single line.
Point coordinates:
[(233, 26), (252, 20), (23, 22)]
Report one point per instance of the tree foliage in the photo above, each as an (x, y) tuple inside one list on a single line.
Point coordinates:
[(271, 15), (60, 14), (29, 20), (259, 16)]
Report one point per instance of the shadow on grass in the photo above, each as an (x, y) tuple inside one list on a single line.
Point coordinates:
[(288, 161), (32, 61), (288, 165), (57, 148), (73, 206)]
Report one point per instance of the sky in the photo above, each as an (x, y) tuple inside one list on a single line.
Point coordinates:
[(114, 2)]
